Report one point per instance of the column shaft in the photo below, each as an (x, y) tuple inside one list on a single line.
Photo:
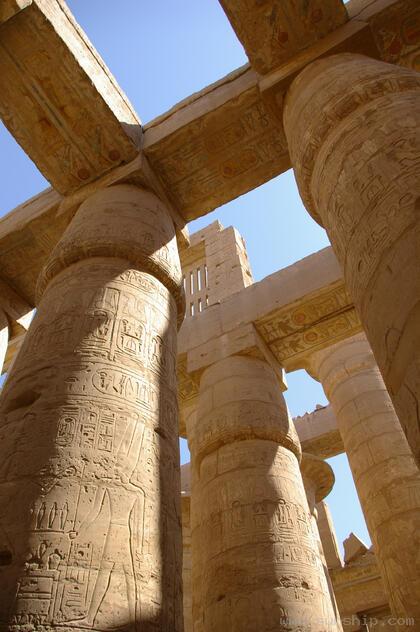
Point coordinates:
[(318, 480), (353, 128), (255, 562), (89, 469), (384, 471)]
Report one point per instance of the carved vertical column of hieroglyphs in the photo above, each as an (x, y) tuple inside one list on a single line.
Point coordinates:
[(318, 480), (353, 128), (89, 467), (385, 473), (255, 562)]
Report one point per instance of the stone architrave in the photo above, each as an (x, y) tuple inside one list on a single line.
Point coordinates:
[(318, 480), (255, 561), (385, 473), (90, 532), (353, 128)]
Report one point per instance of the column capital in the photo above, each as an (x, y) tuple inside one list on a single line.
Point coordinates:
[(240, 399), (318, 478), (326, 93), (341, 360), (125, 222)]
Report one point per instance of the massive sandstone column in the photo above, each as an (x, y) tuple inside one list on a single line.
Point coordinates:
[(353, 129), (89, 471), (255, 562), (318, 480), (384, 471)]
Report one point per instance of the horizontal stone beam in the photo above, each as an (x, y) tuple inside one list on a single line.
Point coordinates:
[(319, 434), (358, 587), (58, 98), (296, 310), (205, 151), (300, 309), (9, 8), (273, 32)]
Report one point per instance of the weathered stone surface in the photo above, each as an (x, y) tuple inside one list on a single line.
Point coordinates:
[(386, 476), (328, 536), (89, 476), (354, 548), (187, 587), (216, 145), (271, 33), (318, 433), (287, 315), (255, 560), (359, 589), (60, 101), (353, 126), (9, 8), (213, 146), (394, 26), (318, 480)]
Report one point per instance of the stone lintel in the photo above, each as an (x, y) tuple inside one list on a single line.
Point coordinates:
[(9, 8), (295, 311), (358, 586), (243, 340), (60, 101), (318, 433), (273, 33), (14, 306), (354, 36), (212, 147), (217, 145)]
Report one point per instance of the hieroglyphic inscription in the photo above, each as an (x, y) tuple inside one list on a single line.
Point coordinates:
[(96, 443), (221, 155), (293, 332), (255, 557), (271, 34), (48, 95)]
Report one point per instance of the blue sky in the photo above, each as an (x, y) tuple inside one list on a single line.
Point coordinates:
[(161, 52)]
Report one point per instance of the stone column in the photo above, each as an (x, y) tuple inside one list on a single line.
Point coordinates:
[(89, 471), (186, 546), (318, 480), (328, 536), (255, 563), (353, 129), (384, 471), (4, 338)]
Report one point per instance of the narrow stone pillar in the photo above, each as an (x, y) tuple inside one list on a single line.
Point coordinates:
[(186, 546), (384, 471), (90, 531), (353, 129), (255, 562), (4, 338), (328, 536), (318, 480)]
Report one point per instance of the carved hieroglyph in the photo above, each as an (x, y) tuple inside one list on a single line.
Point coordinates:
[(89, 470), (255, 561), (272, 32), (353, 126), (384, 471)]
